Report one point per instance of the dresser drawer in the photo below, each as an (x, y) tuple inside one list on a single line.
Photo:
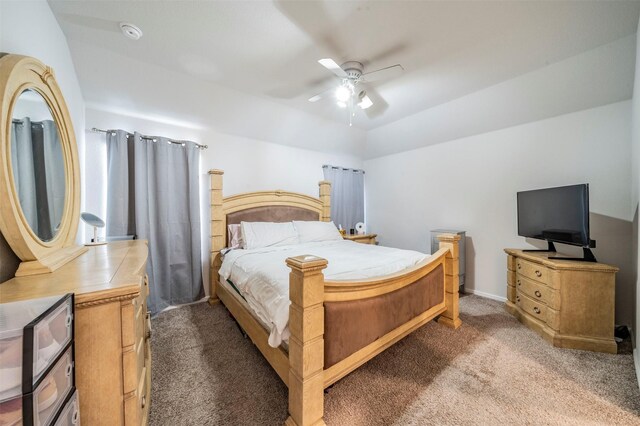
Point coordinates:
[(143, 397), (531, 307), (134, 358), (511, 294), (538, 291), (145, 286), (147, 339), (533, 271), (134, 406), (140, 322)]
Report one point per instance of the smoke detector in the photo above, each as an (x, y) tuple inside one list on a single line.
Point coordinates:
[(130, 31)]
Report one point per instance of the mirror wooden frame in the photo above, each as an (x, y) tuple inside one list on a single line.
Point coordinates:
[(17, 74)]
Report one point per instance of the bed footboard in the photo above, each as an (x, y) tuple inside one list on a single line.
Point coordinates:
[(422, 293)]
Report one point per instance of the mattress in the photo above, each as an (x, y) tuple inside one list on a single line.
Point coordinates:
[(262, 277)]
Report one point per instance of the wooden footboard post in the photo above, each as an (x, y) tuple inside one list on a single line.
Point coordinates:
[(218, 232), (306, 343), (450, 317), (325, 197)]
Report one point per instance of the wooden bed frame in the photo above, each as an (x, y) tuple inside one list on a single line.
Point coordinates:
[(302, 367)]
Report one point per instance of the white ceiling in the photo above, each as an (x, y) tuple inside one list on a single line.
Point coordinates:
[(269, 49), (253, 54)]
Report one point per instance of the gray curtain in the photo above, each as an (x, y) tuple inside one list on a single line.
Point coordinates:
[(347, 195), (160, 185), (36, 153), (121, 209), (54, 176)]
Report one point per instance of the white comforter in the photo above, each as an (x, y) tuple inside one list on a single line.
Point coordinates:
[(262, 276)]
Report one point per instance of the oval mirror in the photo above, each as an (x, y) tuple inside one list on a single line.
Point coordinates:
[(38, 164)]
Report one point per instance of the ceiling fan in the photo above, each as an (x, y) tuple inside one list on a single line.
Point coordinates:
[(352, 88)]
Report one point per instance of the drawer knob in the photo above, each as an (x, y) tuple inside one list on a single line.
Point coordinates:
[(538, 274), (144, 401), (74, 418), (519, 283), (538, 294), (536, 310), (68, 370), (519, 266), (518, 298)]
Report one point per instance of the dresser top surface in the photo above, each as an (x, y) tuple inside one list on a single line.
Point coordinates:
[(543, 258), (110, 270)]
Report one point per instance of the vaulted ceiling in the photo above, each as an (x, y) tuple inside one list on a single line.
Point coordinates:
[(269, 49)]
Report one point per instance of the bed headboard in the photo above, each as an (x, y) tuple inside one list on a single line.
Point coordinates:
[(261, 206), (272, 214)]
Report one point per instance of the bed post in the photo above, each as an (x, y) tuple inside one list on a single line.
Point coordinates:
[(218, 225), (306, 343), (325, 197), (450, 317)]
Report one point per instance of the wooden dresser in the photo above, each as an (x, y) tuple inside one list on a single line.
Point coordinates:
[(569, 303), (112, 328), (363, 238)]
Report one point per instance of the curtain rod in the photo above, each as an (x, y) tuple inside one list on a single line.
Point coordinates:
[(342, 168), (151, 138)]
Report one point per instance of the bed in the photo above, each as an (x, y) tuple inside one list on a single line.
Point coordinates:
[(334, 326)]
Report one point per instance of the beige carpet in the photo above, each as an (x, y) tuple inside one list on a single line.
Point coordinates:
[(491, 371)]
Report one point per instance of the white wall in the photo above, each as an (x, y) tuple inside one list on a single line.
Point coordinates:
[(29, 28), (249, 164), (597, 77), (471, 184)]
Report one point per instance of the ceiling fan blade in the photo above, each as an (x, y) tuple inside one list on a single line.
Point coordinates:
[(379, 105), (383, 73), (316, 98), (365, 102), (331, 65)]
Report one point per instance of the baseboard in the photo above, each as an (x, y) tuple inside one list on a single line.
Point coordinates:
[(636, 361), (487, 295)]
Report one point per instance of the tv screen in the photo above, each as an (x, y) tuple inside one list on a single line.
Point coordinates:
[(555, 214)]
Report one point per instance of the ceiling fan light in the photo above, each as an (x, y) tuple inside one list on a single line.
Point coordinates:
[(343, 94), (342, 104), (365, 102)]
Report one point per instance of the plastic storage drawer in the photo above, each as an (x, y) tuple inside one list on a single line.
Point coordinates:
[(33, 333), (42, 405), (70, 414)]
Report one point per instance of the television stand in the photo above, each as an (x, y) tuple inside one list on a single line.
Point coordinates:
[(571, 305), (587, 256), (550, 249)]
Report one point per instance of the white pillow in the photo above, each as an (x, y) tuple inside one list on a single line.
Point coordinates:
[(268, 234), (311, 232)]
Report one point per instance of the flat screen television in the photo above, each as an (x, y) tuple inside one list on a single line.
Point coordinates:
[(558, 214)]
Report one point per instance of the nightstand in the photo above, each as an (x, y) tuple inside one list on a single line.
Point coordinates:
[(363, 238)]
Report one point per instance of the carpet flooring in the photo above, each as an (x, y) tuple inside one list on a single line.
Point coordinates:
[(491, 371)]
